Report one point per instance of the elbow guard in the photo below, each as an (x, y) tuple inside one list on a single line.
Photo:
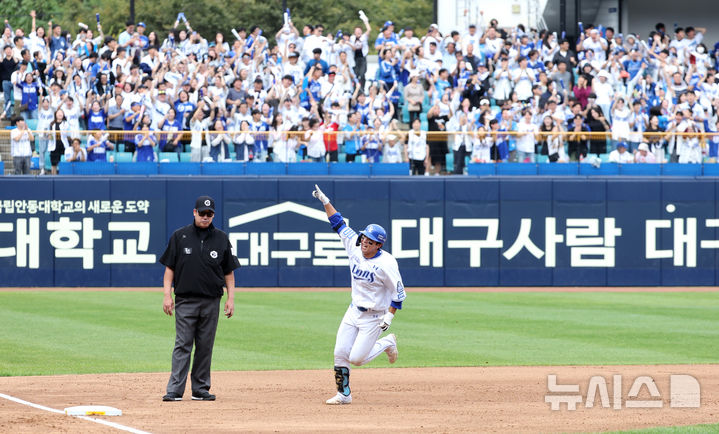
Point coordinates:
[(336, 221)]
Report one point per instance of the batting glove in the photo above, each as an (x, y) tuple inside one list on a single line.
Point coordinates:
[(321, 196), (386, 321)]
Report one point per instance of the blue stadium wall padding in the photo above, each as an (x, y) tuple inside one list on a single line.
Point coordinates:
[(267, 169), (481, 169), (640, 169), (313, 169), (221, 169), (137, 168), (604, 169), (390, 169), (356, 169), (182, 168), (710, 170), (557, 169), (677, 169), (453, 231), (516, 169)]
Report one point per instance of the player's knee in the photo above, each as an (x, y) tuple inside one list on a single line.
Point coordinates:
[(357, 361), (342, 353)]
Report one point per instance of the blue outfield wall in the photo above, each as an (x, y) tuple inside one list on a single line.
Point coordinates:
[(498, 231)]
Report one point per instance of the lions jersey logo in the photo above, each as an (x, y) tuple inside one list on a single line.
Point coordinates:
[(213, 254), (360, 274)]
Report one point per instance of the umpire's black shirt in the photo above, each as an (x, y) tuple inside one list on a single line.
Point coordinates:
[(200, 259)]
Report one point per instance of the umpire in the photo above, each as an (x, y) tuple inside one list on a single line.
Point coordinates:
[(198, 262)]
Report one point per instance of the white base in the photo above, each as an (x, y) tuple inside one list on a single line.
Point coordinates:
[(93, 410)]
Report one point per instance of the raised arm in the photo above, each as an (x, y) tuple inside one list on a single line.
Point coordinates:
[(329, 209)]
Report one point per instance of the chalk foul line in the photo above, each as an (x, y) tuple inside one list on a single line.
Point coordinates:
[(91, 419)]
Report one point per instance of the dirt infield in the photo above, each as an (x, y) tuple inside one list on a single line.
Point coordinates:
[(490, 399)]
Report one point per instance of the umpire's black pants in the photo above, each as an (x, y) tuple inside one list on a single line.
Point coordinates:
[(195, 322)]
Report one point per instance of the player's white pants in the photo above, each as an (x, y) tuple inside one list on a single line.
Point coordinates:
[(357, 335)]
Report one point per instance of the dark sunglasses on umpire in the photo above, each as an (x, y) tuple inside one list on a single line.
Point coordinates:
[(205, 213)]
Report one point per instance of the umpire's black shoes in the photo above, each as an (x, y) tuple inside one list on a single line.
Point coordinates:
[(172, 397), (203, 396)]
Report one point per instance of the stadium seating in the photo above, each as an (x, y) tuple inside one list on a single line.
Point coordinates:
[(171, 157), (123, 157)]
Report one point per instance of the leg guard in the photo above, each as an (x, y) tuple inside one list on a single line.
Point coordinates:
[(342, 378)]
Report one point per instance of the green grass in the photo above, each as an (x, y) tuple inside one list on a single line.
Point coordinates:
[(690, 429), (47, 333)]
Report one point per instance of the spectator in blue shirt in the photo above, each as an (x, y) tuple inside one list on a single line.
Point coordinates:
[(634, 64), (352, 140), (184, 107), (387, 69), (171, 123), (58, 41), (29, 88), (387, 38), (316, 59), (95, 116)]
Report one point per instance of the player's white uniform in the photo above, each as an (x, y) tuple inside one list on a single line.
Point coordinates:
[(376, 283)]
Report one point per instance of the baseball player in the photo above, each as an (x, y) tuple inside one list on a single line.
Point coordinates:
[(377, 293)]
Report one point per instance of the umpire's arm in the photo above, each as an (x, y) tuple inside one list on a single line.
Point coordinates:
[(168, 305)]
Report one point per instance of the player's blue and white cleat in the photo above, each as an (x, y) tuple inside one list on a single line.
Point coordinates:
[(339, 399), (391, 351)]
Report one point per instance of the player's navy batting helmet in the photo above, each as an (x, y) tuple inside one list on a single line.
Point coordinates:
[(375, 233)]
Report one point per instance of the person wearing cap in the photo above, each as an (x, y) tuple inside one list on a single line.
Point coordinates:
[(643, 155), (386, 38), (620, 154), (603, 89), (144, 40), (198, 262), (377, 294)]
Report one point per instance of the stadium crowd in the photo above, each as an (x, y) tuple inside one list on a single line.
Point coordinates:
[(485, 93)]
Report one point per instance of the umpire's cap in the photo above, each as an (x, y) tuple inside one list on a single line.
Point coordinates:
[(374, 232), (203, 203)]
